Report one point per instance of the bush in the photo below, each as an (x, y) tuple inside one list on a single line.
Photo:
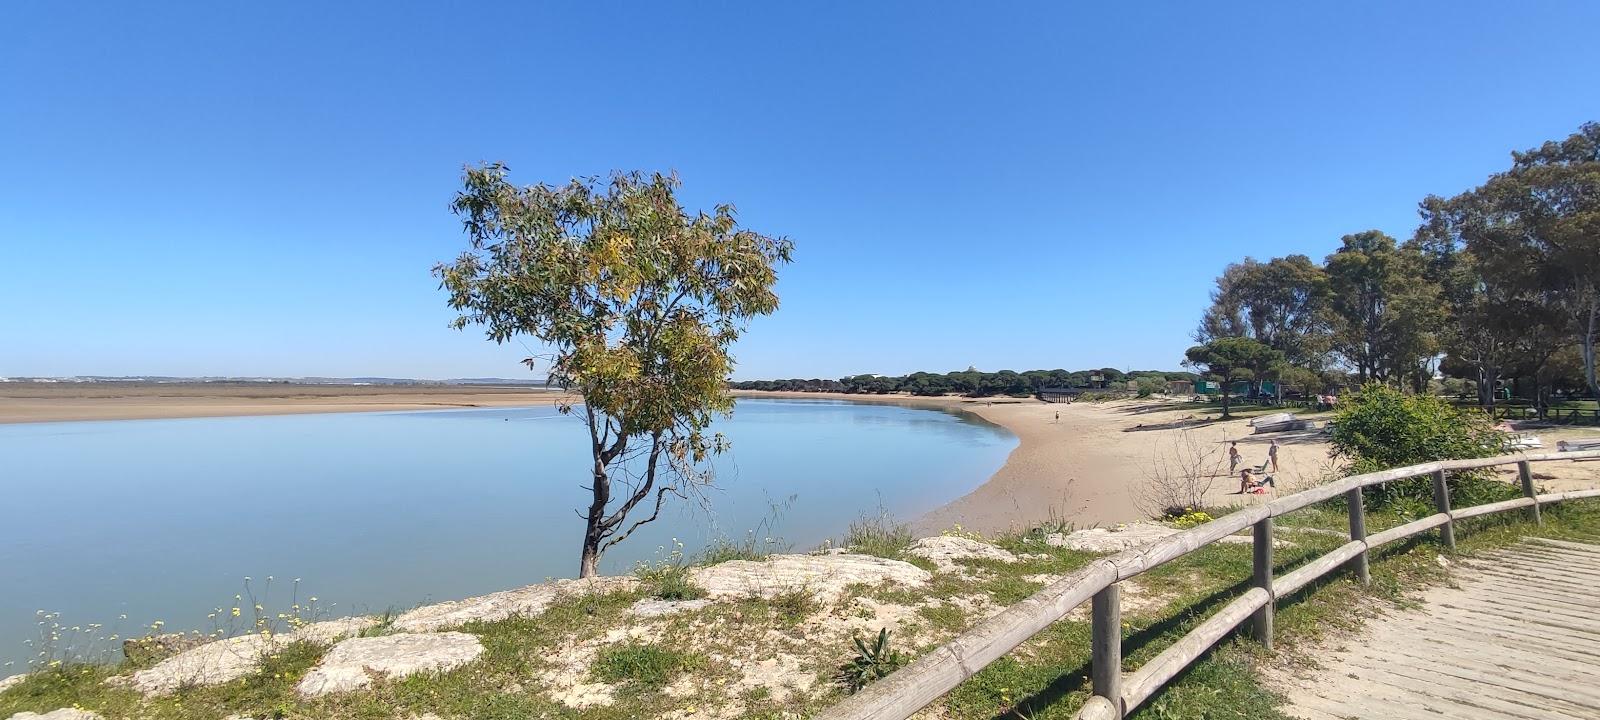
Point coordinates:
[(1191, 518), (1379, 427), (1150, 385)]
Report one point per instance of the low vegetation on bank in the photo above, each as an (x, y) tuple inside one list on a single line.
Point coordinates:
[(664, 645)]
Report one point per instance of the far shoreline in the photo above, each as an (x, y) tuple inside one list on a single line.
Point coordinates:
[(37, 402)]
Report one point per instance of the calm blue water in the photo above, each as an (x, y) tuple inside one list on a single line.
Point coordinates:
[(162, 519)]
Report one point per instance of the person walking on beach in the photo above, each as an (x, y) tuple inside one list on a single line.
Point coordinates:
[(1272, 454), (1233, 457), (1058, 416)]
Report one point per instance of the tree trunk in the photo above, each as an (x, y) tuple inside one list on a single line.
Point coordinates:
[(593, 534), (1586, 347), (1487, 375), (589, 563)]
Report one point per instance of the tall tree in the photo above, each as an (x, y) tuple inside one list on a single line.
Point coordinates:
[(638, 300), (1482, 332), (1279, 303), (1553, 191), (1227, 359), (1382, 309)]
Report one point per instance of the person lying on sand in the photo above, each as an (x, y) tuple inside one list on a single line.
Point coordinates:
[(1247, 482)]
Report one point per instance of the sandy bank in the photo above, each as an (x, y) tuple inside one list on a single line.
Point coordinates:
[(1084, 467), (59, 402)]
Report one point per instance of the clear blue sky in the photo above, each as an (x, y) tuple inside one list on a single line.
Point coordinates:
[(261, 188)]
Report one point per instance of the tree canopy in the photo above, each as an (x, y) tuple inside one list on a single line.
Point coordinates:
[(638, 301), (1499, 283), (1226, 359)]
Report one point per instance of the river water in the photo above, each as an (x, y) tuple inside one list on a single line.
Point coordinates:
[(164, 519)]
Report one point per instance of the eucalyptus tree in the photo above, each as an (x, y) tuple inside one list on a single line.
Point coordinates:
[(1281, 303), (1554, 193), (1383, 311), (638, 301)]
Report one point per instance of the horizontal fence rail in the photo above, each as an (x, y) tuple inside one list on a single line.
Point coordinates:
[(1117, 693)]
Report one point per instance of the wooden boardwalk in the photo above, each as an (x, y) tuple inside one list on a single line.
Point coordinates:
[(1519, 638)]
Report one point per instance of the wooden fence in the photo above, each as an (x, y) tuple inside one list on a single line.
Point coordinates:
[(1117, 693)]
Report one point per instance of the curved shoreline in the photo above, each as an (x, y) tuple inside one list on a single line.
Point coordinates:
[(1084, 468), (1072, 470)]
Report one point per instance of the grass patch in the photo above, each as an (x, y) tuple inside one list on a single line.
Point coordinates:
[(643, 665), (792, 606), (878, 535), (668, 581), (944, 617)]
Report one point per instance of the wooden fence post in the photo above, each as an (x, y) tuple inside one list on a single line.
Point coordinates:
[(1441, 498), (1261, 621), (1526, 474), (1358, 531), (1105, 666)]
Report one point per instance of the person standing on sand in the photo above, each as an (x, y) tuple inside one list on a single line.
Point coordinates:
[(1233, 456), (1272, 454), (1058, 416)]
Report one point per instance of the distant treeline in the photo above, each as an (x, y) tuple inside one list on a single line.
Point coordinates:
[(970, 382)]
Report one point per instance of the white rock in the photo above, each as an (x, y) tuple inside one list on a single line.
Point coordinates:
[(328, 631), (1248, 540), (944, 551), (824, 576), (7, 683), (530, 600), (211, 664), (353, 663), (650, 607), (1111, 539), (62, 714)]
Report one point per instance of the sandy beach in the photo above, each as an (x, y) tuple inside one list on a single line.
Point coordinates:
[(1086, 467), (59, 402)]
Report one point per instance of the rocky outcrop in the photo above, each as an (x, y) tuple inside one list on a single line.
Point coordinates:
[(530, 600), (944, 551), (354, 663), (210, 664), (327, 631), (651, 607), (227, 660), (155, 648), (824, 576), (1133, 535), (1114, 539), (62, 714), (9, 682)]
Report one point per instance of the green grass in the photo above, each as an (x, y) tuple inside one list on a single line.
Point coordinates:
[(668, 581), (1045, 678), (878, 535), (643, 665), (1048, 676), (944, 617)]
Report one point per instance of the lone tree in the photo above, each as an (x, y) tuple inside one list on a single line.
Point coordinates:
[(638, 301), (1232, 358)]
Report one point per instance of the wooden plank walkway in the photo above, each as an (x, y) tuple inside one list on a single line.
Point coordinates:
[(1519, 638)]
